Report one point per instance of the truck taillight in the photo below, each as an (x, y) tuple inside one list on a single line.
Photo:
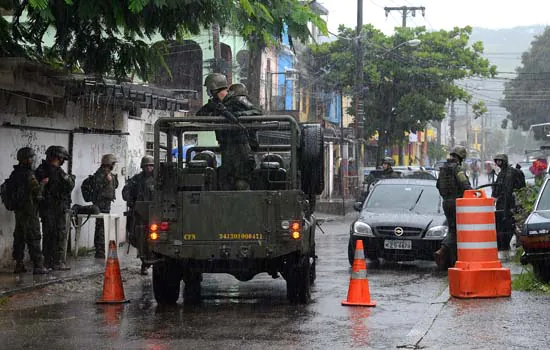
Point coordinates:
[(164, 226), (295, 230), (153, 236), (154, 228)]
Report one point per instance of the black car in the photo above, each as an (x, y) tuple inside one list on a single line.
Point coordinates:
[(535, 237), (401, 220), (407, 172)]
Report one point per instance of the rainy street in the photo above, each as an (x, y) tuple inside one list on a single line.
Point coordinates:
[(413, 310)]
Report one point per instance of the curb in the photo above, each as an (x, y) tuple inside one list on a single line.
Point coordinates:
[(50, 282), (418, 332)]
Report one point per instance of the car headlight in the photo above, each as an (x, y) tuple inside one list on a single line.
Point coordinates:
[(437, 232), (362, 229)]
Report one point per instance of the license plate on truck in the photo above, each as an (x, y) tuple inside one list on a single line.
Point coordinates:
[(398, 244)]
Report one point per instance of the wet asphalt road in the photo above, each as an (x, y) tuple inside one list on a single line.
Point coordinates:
[(412, 310)]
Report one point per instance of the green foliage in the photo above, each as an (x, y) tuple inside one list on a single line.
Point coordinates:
[(479, 108), (528, 282), (436, 152), (525, 97), (404, 87), (526, 198), (112, 36)]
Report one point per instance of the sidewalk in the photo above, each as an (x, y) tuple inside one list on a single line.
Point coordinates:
[(81, 267), (335, 206)]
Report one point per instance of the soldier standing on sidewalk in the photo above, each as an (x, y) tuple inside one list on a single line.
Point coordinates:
[(105, 182), (138, 189), (451, 183), (509, 179), (27, 225), (56, 200)]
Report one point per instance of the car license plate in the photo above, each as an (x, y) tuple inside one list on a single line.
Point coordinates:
[(398, 244)]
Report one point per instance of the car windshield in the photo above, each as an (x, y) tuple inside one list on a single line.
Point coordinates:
[(409, 197), (544, 202)]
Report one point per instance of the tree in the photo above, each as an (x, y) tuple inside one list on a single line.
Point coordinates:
[(111, 36), (405, 87), (527, 96)]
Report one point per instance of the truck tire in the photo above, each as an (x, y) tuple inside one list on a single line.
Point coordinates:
[(192, 289), (298, 281), (312, 159), (166, 283)]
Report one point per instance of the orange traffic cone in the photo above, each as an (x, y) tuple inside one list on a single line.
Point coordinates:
[(477, 273), (358, 291), (113, 292)]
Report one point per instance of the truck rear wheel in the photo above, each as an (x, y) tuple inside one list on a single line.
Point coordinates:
[(166, 282), (192, 289), (298, 281)]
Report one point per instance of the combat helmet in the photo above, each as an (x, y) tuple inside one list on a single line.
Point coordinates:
[(147, 160), (460, 152), (215, 81), (501, 156), (238, 89), (58, 152), (388, 160), (108, 159), (25, 153)]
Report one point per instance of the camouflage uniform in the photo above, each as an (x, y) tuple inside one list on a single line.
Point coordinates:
[(451, 183), (237, 158), (508, 180), (27, 224), (104, 194), (139, 188), (55, 202)]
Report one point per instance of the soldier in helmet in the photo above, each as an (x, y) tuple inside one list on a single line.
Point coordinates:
[(105, 182), (56, 200), (508, 180), (138, 189), (387, 166), (237, 157), (451, 183), (239, 104), (27, 225)]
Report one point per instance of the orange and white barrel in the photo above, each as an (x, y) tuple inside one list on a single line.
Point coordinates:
[(476, 230)]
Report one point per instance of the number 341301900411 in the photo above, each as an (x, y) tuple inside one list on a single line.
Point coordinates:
[(240, 236)]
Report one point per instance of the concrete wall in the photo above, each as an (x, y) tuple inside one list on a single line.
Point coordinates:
[(41, 127)]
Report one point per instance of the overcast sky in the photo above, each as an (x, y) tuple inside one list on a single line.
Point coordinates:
[(441, 14)]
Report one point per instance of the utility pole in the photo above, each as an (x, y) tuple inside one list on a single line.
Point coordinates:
[(217, 48), (405, 10), (359, 112)]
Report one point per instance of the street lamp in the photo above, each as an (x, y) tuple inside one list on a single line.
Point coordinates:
[(411, 43)]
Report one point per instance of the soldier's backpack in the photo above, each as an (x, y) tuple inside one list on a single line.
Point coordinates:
[(12, 194), (87, 189)]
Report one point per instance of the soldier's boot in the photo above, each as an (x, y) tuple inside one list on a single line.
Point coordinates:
[(39, 268), (60, 266), (441, 257), (19, 267)]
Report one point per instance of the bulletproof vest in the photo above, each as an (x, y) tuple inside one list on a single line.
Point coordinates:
[(105, 189), (449, 187)]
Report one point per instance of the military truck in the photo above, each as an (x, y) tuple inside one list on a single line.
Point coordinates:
[(195, 228)]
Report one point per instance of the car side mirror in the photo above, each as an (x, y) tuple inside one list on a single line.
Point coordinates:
[(358, 206)]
